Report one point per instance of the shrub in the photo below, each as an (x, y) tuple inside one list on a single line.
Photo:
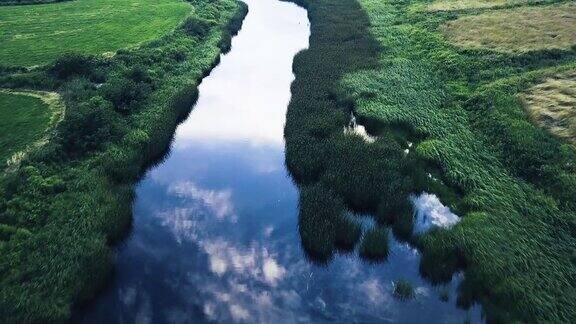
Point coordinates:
[(70, 65), (88, 126), (138, 74), (125, 94), (197, 27)]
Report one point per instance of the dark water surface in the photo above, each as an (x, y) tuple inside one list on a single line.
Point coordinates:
[(215, 236)]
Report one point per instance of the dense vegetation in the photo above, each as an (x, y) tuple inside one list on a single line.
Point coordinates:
[(513, 183), (87, 27), (71, 198), (24, 120)]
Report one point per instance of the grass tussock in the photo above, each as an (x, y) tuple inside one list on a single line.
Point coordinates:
[(403, 289), (374, 245), (70, 199), (552, 105), (516, 30), (324, 224)]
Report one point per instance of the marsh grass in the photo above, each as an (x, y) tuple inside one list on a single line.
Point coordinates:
[(512, 183), (444, 295), (71, 199), (449, 5), (375, 245), (324, 224)]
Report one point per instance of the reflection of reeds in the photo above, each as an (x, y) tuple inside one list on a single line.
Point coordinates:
[(444, 294), (403, 289)]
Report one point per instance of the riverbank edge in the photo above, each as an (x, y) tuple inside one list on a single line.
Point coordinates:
[(27, 296), (316, 116)]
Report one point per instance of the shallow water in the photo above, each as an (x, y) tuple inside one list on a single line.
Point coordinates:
[(215, 235)]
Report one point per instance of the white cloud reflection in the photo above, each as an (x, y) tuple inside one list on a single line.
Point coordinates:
[(218, 201), (263, 281), (246, 96), (431, 213)]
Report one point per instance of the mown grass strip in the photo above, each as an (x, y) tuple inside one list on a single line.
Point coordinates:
[(448, 5), (516, 30)]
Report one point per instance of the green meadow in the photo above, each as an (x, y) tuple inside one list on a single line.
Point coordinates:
[(37, 34), (25, 119)]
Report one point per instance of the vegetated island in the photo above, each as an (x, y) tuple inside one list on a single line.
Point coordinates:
[(450, 108), (70, 199)]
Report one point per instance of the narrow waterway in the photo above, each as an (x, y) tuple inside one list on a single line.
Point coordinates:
[(215, 235)]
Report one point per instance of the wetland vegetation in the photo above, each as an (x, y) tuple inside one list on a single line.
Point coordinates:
[(510, 180)]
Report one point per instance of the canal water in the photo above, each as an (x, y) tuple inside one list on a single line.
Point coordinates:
[(215, 235)]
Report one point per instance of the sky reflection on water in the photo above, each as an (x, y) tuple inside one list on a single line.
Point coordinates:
[(215, 235)]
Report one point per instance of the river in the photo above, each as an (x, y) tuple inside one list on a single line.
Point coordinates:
[(215, 234)]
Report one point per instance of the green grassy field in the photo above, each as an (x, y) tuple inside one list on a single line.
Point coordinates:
[(37, 34), (512, 182), (24, 121)]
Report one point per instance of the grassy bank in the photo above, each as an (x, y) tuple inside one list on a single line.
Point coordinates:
[(513, 183), (38, 34), (71, 198)]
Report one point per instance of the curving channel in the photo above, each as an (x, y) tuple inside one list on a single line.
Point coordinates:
[(215, 235)]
